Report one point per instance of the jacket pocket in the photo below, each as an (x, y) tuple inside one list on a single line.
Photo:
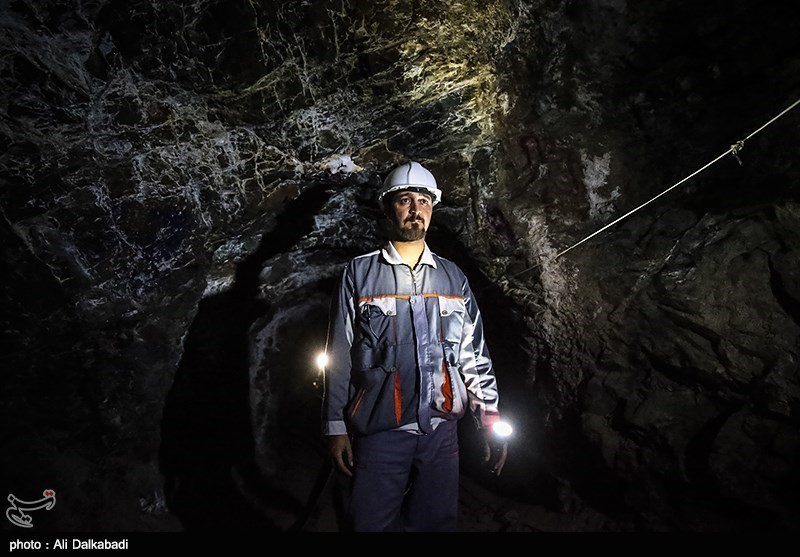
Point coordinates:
[(377, 321), (452, 310), (375, 406)]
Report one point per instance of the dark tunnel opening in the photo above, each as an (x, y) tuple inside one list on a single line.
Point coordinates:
[(299, 450), (207, 454)]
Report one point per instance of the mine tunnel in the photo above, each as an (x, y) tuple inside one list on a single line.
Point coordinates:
[(182, 184)]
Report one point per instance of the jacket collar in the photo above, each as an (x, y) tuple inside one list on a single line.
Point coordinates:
[(391, 256)]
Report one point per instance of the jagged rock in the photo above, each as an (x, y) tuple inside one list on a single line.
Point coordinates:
[(181, 183)]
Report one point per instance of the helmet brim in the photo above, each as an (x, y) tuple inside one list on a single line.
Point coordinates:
[(435, 193)]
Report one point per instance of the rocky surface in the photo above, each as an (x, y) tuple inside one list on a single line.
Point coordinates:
[(181, 182)]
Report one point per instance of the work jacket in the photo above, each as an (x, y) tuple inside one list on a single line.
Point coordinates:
[(406, 348)]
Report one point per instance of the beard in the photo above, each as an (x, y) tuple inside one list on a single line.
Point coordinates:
[(402, 234)]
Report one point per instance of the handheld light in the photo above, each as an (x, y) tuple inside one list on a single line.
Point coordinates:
[(502, 429)]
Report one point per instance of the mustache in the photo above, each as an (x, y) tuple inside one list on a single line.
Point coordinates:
[(414, 219)]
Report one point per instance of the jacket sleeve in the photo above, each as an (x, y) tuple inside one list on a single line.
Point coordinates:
[(476, 365), (338, 344)]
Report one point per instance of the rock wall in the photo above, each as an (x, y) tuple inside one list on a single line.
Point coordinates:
[(181, 183)]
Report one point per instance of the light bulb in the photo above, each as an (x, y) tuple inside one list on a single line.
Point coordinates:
[(502, 429)]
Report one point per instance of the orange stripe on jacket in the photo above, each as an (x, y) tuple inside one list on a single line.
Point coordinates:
[(447, 389), (358, 402), (450, 296), (398, 398), (370, 298)]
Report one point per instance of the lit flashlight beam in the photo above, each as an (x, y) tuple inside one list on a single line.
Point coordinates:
[(502, 429)]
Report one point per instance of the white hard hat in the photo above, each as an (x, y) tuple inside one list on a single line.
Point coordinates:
[(410, 176)]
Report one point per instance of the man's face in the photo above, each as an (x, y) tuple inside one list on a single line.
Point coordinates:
[(410, 214)]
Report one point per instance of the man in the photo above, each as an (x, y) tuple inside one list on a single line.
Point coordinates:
[(407, 359)]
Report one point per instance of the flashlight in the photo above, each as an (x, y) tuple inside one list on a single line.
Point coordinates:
[(502, 429), (322, 360)]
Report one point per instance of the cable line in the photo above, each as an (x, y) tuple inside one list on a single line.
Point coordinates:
[(734, 150)]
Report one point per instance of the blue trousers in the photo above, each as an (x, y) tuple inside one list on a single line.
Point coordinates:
[(405, 482)]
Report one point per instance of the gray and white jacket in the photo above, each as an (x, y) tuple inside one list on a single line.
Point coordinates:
[(406, 348)]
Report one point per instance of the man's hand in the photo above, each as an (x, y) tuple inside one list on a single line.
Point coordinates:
[(341, 453), (495, 452)]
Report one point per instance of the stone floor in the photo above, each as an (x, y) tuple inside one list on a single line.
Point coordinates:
[(482, 509)]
